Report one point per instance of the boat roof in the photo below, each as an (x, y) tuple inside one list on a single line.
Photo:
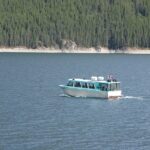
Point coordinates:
[(93, 81)]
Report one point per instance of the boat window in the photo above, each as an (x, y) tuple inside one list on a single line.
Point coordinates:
[(77, 84), (114, 86), (118, 86), (84, 85), (70, 83), (109, 87), (104, 87), (91, 86), (98, 86)]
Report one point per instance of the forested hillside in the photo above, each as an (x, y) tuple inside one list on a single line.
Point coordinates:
[(109, 23)]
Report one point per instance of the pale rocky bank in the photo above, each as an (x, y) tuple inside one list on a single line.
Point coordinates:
[(101, 50)]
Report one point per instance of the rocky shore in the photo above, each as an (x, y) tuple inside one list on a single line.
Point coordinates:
[(102, 50), (68, 46)]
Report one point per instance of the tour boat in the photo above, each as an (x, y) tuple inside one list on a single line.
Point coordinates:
[(96, 87)]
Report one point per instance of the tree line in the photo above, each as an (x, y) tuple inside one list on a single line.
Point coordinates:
[(115, 24)]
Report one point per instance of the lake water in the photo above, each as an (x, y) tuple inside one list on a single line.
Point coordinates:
[(34, 115)]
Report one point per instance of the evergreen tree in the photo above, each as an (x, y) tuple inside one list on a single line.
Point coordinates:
[(115, 24)]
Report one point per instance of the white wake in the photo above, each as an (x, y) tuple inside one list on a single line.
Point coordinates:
[(132, 97)]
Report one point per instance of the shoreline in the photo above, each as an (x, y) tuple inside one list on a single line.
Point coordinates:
[(74, 51)]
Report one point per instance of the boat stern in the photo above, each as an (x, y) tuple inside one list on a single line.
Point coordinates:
[(114, 94)]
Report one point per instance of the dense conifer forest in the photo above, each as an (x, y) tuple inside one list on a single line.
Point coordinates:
[(115, 24)]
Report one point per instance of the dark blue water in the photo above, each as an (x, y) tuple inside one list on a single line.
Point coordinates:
[(34, 115)]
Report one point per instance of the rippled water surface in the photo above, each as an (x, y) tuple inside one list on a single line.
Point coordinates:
[(34, 115)]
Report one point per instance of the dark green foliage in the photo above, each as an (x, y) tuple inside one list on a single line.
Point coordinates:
[(115, 24)]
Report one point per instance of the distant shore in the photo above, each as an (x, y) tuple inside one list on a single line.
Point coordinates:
[(78, 50)]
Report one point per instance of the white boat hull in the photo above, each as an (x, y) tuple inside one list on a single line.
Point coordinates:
[(80, 92)]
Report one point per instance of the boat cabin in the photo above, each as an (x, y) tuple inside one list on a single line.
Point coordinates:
[(96, 85)]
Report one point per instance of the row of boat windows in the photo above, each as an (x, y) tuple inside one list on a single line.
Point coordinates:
[(83, 85), (110, 87), (102, 87)]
